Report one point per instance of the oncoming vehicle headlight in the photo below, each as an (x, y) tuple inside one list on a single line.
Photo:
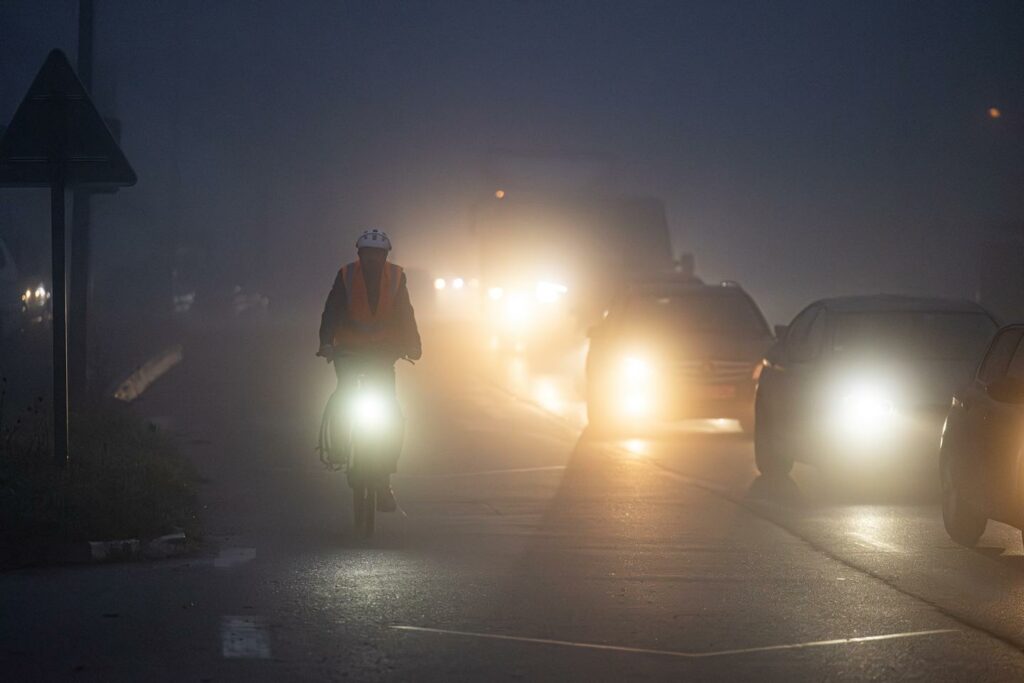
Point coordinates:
[(550, 292), (370, 411), (635, 405), (37, 297), (863, 410), (634, 388), (517, 310), (636, 370)]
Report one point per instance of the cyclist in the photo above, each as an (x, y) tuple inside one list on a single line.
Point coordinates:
[(368, 324)]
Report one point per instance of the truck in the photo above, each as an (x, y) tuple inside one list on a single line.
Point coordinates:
[(555, 242)]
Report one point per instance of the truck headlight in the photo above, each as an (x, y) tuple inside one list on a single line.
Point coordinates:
[(517, 310), (550, 292)]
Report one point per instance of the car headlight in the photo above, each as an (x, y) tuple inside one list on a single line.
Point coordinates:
[(35, 297), (635, 404), (634, 392), (863, 410), (636, 370), (517, 310)]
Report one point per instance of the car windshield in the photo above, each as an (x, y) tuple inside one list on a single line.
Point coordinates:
[(928, 335), (702, 312)]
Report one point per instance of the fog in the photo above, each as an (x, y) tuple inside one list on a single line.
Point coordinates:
[(803, 149)]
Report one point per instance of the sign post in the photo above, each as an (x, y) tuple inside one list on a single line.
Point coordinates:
[(58, 232), (57, 139)]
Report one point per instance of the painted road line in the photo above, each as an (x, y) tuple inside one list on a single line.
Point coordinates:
[(482, 473), (675, 653), (244, 638), (230, 557)]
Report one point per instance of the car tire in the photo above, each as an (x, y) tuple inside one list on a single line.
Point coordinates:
[(963, 522), (769, 458)]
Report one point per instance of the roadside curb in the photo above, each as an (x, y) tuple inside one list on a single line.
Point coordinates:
[(95, 552)]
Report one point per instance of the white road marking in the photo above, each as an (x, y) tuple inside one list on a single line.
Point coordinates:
[(674, 653), (452, 475), (244, 638), (229, 557)]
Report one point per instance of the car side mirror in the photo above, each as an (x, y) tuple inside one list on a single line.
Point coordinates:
[(780, 331), (1006, 390)]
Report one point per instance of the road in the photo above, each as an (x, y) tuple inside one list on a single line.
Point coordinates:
[(529, 550)]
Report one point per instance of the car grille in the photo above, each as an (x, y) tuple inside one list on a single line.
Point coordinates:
[(715, 370)]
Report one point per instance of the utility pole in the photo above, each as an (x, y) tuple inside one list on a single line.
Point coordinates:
[(81, 244)]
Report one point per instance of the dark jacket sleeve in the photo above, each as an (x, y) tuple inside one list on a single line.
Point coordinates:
[(335, 310), (406, 319)]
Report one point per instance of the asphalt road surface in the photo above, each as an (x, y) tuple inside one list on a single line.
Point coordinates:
[(527, 550)]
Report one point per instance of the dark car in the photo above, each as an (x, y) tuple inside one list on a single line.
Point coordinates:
[(981, 459), (866, 381), (676, 348)]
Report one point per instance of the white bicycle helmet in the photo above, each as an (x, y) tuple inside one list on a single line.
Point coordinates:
[(374, 239)]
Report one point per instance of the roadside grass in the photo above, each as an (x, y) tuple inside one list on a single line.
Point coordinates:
[(125, 479)]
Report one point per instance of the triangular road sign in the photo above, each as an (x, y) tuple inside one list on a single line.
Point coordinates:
[(57, 131)]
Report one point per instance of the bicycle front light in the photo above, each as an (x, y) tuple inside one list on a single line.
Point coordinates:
[(371, 412)]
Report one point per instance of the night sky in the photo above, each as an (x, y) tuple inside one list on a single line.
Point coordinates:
[(804, 149)]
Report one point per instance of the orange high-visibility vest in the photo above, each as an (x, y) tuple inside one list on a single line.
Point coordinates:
[(366, 327)]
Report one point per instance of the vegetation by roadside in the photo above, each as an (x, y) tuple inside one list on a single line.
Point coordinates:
[(125, 479)]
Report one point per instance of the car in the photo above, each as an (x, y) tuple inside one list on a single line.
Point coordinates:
[(863, 382), (675, 348), (980, 460)]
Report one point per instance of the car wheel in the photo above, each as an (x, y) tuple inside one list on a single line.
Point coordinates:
[(769, 458), (963, 522)]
